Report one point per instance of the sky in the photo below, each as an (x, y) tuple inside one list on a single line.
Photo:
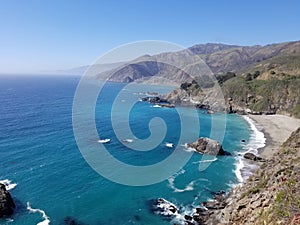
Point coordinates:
[(45, 35)]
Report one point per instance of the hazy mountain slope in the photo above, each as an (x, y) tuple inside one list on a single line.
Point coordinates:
[(279, 58), (95, 69)]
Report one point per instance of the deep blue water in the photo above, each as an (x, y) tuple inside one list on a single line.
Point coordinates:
[(39, 153)]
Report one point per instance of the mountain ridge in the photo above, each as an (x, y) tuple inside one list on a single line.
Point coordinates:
[(219, 58)]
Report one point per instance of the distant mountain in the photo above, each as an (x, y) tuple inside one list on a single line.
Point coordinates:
[(94, 69), (262, 79), (282, 58)]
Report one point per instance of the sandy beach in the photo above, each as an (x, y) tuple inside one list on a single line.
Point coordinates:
[(277, 128)]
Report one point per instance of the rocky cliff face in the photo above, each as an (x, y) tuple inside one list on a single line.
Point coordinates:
[(7, 204), (271, 195)]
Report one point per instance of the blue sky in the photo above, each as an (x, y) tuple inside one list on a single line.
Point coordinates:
[(39, 35)]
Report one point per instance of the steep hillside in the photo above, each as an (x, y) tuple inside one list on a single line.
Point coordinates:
[(254, 79), (274, 59), (271, 195), (264, 96), (244, 94)]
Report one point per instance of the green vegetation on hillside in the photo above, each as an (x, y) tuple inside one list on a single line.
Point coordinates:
[(272, 95), (285, 208)]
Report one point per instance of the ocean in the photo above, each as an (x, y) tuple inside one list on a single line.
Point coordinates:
[(52, 183)]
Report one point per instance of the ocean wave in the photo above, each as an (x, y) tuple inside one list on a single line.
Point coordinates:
[(244, 169), (188, 149), (171, 180), (189, 187), (238, 169), (127, 140), (257, 138), (8, 184), (179, 217), (175, 213), (156, 106), (9, 220), (206, 161), (46, 220)]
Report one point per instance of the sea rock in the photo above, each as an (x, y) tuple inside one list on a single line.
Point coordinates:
[(187, 217), (208, 146), (155, 99), (7, 204), (164, 207), (253, 157)]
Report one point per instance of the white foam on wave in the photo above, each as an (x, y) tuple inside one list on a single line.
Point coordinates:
[(238, 169), (156, 106), (128, 140), (257, 137), (46, 220), (171, 180), (8, 184), (257, 141), (166, 208), (188, 149), (189, 187), (206, 161), (179, 216)]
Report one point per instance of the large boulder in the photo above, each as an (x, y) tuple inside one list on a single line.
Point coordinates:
[(253, 157), (208, 146), (7, 204)]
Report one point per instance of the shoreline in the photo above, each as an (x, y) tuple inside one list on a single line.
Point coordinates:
[(276, 129)]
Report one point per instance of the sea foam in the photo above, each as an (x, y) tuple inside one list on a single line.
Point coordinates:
[(257, 141), (46, 220), (8, 184)]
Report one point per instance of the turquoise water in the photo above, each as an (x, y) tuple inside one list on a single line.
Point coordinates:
[(39, 154)]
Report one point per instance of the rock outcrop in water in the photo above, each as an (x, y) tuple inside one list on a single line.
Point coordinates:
[(7, 204), (253, 157), (208, 146), (163, 207)]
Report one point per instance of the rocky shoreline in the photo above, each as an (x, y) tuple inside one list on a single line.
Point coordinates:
[(270, 196), (204, 212)]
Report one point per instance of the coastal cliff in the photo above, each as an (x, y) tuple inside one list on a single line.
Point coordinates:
[(271, 195), (278, 95)]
